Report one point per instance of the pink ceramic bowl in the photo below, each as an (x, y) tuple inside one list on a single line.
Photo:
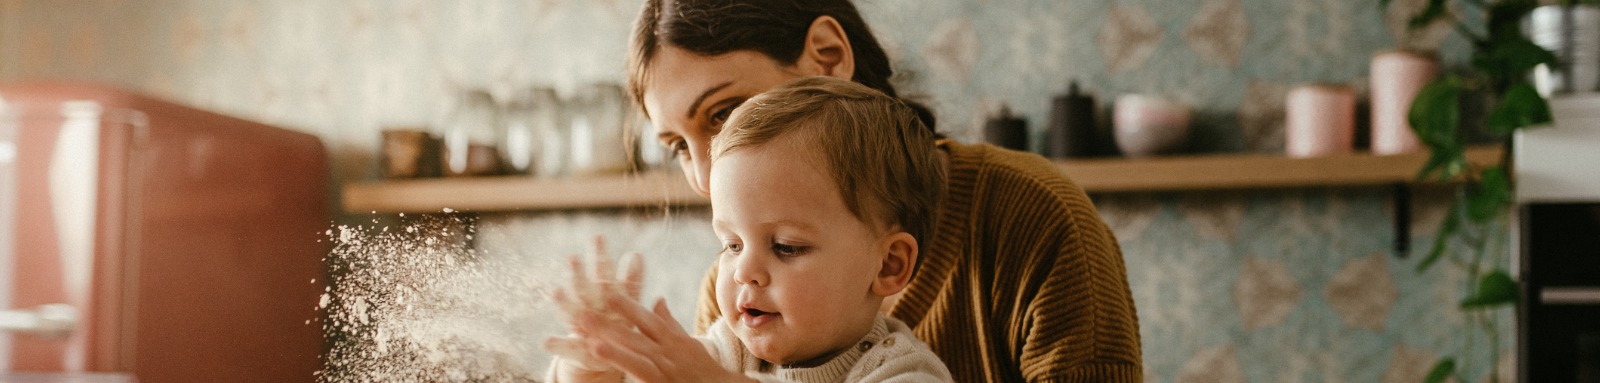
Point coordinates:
[(1148, 125)]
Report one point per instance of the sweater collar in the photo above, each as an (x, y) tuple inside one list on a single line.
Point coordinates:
[(837, 368)]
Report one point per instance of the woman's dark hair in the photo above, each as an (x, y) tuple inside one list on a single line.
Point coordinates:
[(776, 28)]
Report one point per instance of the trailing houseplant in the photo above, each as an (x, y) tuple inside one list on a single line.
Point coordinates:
[(1502, 57)]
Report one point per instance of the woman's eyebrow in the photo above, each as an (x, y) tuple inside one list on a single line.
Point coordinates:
[(696, 104), (664, 135)]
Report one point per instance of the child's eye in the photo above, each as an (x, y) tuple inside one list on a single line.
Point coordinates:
[(732, 248), (787, 250)]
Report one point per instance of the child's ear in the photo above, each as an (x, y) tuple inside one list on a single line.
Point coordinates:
[(900, 258)]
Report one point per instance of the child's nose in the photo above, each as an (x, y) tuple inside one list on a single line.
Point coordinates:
[(750, 269)]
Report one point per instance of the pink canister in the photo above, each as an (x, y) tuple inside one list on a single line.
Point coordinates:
[(1397, 77)]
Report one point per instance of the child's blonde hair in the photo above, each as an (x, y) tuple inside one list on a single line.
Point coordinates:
[(879, 153)]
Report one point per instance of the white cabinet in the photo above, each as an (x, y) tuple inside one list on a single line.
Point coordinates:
[(1561, 163)]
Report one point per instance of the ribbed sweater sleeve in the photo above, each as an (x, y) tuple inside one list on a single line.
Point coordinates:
[(1023, 281)]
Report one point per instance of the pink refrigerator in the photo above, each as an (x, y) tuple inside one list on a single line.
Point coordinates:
[(146, 240)]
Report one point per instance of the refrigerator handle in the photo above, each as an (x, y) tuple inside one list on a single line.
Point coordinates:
[(48, 320)]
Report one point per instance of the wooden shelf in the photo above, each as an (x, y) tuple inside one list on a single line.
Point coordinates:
[(1252, 171), (519, 193), (1209, 172)]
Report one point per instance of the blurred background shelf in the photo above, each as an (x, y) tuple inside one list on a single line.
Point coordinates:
[(1253, 171), (510, 193), (1205, 172)]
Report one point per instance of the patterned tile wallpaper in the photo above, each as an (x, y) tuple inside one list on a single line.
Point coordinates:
[(1257, 286)]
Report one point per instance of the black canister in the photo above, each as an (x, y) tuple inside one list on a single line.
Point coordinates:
[(1006, 131), (1588, 358), (1072, 132)]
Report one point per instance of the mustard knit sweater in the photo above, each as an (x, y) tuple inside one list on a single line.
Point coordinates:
[(1022, 281)]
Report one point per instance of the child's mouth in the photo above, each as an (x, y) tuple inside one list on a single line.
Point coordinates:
[(753, 318)]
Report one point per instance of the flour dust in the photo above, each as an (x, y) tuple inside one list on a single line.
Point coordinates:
[(415, 302)]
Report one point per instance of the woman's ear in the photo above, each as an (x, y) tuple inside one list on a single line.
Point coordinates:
[(827, 50), (900, 258)]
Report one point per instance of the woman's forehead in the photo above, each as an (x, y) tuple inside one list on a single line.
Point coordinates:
[(677, 78), (672, 83)]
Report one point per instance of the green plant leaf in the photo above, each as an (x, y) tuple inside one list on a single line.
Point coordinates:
[(1435, 116), (1491, 196), (1441, 240), (1521, 107), (1444, 164), (1509, 57), (1441, 370), (1504, 17), (1436, 113), (1435, 10), (1495, 288)]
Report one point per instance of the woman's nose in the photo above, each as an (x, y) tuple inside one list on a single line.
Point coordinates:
[(702, 172), (696, 166)]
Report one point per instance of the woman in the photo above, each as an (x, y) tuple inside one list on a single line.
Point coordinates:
[(1022, 281)]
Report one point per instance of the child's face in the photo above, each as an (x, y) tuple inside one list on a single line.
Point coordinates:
[(796, 268)]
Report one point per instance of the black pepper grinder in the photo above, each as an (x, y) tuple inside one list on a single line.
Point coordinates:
[(1007, 130), (1072, 125)]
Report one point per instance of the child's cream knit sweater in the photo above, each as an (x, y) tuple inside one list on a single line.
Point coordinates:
[(889, 353)]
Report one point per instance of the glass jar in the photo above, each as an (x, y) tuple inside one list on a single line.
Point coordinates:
[(534, 141), (469, 135), (599, 130)]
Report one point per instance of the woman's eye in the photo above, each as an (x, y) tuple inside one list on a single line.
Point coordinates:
[(720, 116), (732, 248), (787, 250), (679, 148)]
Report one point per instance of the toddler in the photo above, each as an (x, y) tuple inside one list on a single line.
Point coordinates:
[(820, 192)]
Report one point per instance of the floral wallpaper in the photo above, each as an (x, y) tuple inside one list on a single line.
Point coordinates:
[(1258, 286)]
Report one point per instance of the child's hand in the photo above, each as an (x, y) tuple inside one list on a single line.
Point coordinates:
[(659, 351), (585, 297)]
